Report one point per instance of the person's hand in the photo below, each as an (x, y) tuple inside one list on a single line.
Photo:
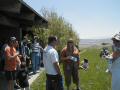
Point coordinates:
[(68, 57), (17, 53), (18, 61), (59, 76), (20, 56)]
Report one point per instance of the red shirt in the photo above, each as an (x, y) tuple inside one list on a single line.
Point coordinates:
[(64, 53), (10, 64)]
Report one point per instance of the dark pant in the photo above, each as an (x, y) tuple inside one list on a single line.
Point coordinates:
[(54, 82), (10, 75)]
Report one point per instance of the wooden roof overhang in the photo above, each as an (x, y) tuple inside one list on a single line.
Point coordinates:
[(16, 13)]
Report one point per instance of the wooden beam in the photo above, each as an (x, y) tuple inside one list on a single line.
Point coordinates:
[(40, 21), (8, 22), (13, 6), (22, 16), (21, 12), (27, 16), (26, 23)]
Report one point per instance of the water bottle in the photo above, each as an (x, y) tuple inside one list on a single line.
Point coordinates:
[(73, 59)]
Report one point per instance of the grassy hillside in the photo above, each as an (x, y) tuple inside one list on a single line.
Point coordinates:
[(94, 78)]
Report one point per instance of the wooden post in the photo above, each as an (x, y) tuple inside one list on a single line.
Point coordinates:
[(20, 33)]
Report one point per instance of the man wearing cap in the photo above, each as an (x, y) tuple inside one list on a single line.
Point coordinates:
[(115, 68), (70, 58), (11, 62)]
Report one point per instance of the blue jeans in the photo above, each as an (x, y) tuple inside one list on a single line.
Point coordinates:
[(35, 61)]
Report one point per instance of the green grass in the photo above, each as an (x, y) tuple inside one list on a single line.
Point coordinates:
[(94, 78)]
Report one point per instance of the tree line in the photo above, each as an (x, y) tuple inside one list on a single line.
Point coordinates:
[(57, 26)]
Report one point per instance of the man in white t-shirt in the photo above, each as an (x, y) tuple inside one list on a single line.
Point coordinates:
[(51, 63)]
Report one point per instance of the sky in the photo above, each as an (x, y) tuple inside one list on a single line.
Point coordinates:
[(91, 19)]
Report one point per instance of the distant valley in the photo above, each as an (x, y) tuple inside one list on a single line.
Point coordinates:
[(94, 42)]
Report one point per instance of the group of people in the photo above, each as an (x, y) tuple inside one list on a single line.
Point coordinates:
[(69, 57), (13, 63), (17, 59)]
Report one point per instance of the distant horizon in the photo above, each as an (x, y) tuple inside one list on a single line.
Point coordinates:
[(98, 38), (92, 42)]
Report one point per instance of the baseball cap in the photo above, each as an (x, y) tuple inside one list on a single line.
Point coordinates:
[(12, 38)]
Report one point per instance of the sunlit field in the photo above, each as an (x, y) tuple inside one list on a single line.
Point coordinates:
[(95, 78)]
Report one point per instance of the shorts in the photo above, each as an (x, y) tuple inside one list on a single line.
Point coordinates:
[(10, 75)]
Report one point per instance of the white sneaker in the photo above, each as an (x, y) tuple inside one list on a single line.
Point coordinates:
[(107, 70)]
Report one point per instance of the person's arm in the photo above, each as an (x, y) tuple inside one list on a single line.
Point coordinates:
[(14, 56), (27, 54), (18, 61), (9, 56), (78, 60), (65, 58), (55, 61), (77, 56), (63, 55), (57, 67)]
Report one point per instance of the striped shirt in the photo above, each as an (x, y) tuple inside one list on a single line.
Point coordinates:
[(36, 47)]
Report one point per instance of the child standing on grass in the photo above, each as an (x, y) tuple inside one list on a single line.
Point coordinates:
[(23, 77)]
